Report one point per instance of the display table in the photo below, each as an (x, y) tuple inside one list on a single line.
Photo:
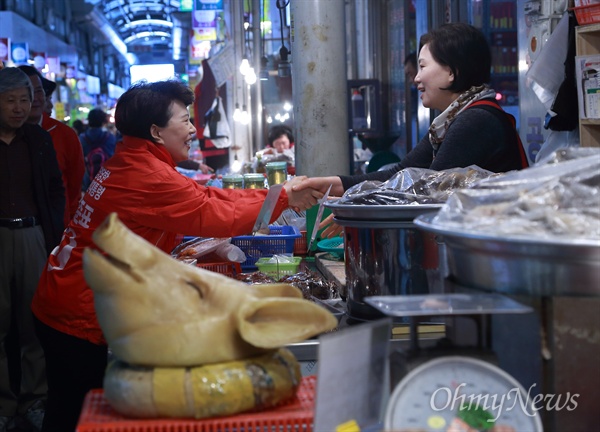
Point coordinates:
[(98, 416)]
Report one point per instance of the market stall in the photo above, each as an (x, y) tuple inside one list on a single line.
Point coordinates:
[(487, 291)]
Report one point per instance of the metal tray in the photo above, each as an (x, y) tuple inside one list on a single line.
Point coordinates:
[(520, 265), (380, 212), (446, 304)]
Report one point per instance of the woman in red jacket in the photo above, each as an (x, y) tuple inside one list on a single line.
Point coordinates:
[(139, 183)]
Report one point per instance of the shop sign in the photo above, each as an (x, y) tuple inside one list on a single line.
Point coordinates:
[(199, 46), (208, 5), (4, 44), (19, 52), (186, 5), (53, 64), (59, 110), (204, 19), (39, 59)]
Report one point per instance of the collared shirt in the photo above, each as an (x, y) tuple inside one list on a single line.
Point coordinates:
[(16, 194)]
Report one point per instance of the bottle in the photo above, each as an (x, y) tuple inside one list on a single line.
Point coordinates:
[(260, 165)]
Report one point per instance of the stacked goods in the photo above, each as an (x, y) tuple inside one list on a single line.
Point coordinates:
[(190, 342)]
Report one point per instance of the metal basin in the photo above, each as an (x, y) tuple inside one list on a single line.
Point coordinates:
[(388, 258), (536, 267)]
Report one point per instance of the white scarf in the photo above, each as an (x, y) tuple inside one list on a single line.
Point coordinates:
[(439, 126)]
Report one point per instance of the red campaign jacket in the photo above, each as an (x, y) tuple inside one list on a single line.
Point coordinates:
[(139, 183), (70, 160)]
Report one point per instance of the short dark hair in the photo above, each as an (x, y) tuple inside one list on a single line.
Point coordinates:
[(97, 118), (278, 131), (145, 104), (465, 50)]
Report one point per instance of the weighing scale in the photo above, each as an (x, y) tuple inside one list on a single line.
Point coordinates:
[(450, 388)]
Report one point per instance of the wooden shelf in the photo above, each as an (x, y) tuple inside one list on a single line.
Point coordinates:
[(587, 41), (590, 122)]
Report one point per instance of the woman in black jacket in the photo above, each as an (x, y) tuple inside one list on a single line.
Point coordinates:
[(471, 129)]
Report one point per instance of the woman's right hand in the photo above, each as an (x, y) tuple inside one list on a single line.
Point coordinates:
[(322, 184)]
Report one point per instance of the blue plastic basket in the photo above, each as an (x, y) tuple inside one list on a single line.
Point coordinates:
[(280, 241)]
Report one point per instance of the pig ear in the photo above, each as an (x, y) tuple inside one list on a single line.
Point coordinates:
[(274, 322)]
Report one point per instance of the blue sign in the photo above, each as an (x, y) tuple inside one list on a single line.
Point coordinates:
[(208, 5), (19, 52)]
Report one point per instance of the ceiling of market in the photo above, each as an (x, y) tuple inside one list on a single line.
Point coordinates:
[(142, 24)]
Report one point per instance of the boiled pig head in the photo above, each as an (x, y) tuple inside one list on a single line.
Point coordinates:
[(157, 311)]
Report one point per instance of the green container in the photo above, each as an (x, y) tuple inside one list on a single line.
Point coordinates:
[(276, 172), (233, 181), (311, 215), (254, 181)]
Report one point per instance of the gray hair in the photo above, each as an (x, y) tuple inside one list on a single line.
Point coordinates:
[(12, 78)]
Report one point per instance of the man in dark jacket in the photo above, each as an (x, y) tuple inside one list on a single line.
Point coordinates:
[(32, 203)]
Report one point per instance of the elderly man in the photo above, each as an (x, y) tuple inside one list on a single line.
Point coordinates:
[(32, 204), (66, 142)]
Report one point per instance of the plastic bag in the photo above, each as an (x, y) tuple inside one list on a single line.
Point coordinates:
[(198, 247), (414, 186), (558, 197), (217, 127)]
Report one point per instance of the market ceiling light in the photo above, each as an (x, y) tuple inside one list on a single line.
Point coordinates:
[(146, 34), (250, 76), (244, 66), (237, 114), (148, 22)]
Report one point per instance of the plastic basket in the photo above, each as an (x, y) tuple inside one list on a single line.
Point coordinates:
[(301, 245), (278, 269), (279, 242), (333, 246), (587, 14), (297, 415), (231, 269)]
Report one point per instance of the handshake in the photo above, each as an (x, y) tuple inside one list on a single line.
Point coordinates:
[(304, 192)]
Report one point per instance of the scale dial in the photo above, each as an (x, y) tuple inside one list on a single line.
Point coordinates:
[(429, 398)]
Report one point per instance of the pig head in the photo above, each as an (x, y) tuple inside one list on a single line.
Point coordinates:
[(157, 311)]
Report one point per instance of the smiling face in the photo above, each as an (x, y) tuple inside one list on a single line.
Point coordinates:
[(177, 135), (14, 108), (431, 78)]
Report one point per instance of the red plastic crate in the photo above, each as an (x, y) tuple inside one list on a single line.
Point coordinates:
[(301, 245), (231, 269), (587, 14), (297, 415)]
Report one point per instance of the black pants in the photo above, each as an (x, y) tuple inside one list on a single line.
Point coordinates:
[(73, 367)]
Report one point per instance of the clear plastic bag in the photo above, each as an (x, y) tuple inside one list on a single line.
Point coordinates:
[(558, 197), (198, 247), (414, 186)]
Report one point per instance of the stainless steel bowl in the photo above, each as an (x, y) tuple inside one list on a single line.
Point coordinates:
[(406, 212), (537, 267)]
